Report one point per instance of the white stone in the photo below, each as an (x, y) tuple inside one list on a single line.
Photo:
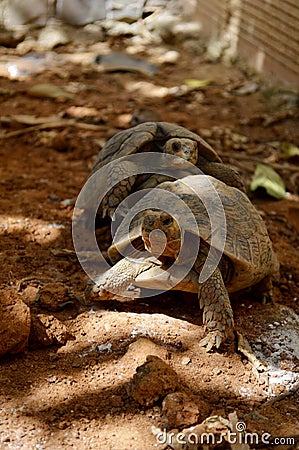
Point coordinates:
[(80, 12), (20, 12)]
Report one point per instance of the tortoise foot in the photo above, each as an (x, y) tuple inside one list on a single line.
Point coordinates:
[(212, 340), (264, 290)]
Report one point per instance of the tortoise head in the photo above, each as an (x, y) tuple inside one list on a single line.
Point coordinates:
[(183, 148), (160, 233)]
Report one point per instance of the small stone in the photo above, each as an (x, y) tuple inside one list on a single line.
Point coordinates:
[(107, 327), (247, 88), (142, 115), (139, 350), (77, 12), (68, 202), (51, 379), (29, 295), (47, 330), (54, 296), (186, 360), (14, 323), (170, 57), (51, 36), (179, 410), (152, 380)]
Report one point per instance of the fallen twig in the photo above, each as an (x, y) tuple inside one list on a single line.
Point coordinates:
[(56, 124), (238, 157), (259, 368), (267, 120), (284, 395)]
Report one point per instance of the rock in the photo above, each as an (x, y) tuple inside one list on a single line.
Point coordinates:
[(18, 12), (180, 410), (170, 57), (139, 350), (29, 295), (185, 360), (124, 10), (163, 25), (187, 30), (142, 115), (247, 88), (54, 296), (78, 12), (153, 379), (10, 39), (211, 430), (24, 47), (117, 61), (51, 36), (116, 28), (47, 330), (14, 323)]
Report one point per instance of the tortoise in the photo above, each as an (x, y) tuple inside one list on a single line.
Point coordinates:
[(160, 137), (246, 259)]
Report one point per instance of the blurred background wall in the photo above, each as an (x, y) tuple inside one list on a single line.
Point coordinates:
[(265, 32)]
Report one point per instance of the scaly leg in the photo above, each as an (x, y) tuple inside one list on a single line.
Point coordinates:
[(223, 173), (217, 311), (113, 283), (264, 290)]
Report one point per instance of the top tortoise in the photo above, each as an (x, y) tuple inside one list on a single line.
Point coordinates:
[(167, 138)]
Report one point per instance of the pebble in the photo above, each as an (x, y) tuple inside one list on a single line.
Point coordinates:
[(54, 296), (178, 410), (15, 322), (153, 379), (47, 330), (186, 360)]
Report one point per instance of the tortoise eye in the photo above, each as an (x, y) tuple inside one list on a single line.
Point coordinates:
[(167, 221), (176, 146)]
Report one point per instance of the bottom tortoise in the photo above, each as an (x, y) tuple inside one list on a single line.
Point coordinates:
[(247, 259)]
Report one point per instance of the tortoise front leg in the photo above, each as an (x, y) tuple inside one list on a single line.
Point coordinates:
[(217, 311), (114, 283)]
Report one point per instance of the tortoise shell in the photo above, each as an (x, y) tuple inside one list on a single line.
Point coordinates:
[(245, 237), (149, 136), (247, 243)]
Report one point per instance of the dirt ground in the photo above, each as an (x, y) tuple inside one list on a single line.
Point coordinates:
[(74, 395)]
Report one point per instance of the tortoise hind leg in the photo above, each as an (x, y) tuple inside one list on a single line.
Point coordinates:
[(264, 290), (217, 311)]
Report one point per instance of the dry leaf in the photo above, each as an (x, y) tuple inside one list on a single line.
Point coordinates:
[(289, 150), (49, 91), (32, 120), (197, 84), (265, 177)]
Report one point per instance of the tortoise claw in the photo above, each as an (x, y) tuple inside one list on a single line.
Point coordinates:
[(213, 339), (267, 297)]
